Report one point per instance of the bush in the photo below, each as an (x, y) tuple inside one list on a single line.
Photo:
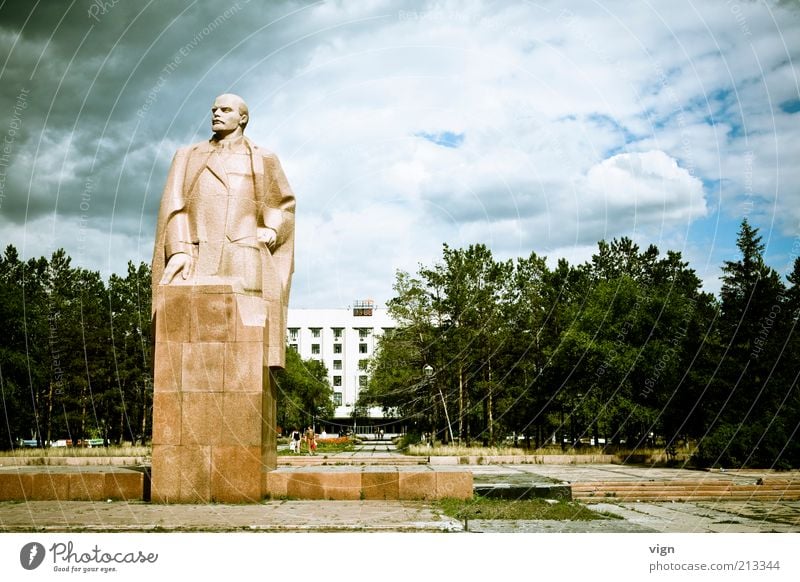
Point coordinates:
[(406, 440), (713, 451)]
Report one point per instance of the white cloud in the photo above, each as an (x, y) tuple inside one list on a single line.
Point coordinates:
[(579, 123), (650, 185)]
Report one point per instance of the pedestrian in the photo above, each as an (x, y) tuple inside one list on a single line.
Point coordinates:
[(296, 441), (311, 440)]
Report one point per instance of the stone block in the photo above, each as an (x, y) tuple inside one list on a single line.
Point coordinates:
[(236, 474), (167, 367), (49, 486), (212, 286), (166, 474), (213, 317), (201, 414), (251, 318), (203, 367), (305, 486), (86, 486), (453, 485), (195, 473), (275, 484), (342, 485), (124, 485), (244, 366), (173, 302), (380, 485), (416, 485), (167, 418), (15, 486), (269, 415), (241, 420)]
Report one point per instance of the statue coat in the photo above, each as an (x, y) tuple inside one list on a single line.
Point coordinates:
[(188, 224)]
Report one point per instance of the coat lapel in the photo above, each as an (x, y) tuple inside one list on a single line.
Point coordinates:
[(204, 156), (257, 164)]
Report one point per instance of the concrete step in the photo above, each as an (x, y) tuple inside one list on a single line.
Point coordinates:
[(709, 489)]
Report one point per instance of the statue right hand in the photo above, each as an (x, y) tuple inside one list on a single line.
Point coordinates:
[(178, 263)]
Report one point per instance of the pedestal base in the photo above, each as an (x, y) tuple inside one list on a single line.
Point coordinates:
[(214, 412)]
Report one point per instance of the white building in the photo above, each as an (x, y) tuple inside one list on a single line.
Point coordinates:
[(344, 340)]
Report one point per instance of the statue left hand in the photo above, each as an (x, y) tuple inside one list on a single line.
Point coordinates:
[(267, 236)]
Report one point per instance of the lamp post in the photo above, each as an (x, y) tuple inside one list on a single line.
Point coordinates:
[(428, 371)]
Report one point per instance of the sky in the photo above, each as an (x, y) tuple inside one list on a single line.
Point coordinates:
[(527, 126)]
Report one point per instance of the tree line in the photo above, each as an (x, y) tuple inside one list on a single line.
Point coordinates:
[(76, 356), (74, 353), (625, 349)]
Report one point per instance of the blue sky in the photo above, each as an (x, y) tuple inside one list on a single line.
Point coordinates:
[(403, 125)]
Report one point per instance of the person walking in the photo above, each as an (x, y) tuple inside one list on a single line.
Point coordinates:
[(311, 440), (296, 441)]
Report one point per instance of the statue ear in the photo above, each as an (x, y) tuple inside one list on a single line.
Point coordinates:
[(244, 119)]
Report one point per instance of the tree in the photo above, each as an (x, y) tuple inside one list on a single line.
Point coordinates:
[(396, 379), (746, 396), (304, 393), (130, 307)]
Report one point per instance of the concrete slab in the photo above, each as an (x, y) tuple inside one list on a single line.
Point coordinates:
[(273, 516)]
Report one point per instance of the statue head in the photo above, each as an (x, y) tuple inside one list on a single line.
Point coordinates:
[(229, 116)]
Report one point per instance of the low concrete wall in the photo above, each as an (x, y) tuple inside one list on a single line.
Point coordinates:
[(68, 484), (423, 483)]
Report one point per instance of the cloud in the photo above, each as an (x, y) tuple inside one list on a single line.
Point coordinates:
[(650, 185), (405, 125)]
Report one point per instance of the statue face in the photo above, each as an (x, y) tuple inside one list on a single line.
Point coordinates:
[(225, 115)]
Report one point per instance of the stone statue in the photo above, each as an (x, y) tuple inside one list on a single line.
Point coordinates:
[(227, 215)]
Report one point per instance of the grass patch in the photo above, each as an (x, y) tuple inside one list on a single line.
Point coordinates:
[(324, 448), (482, 508)]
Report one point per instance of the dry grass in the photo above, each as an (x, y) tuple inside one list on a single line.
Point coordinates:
[(464, 451), (123, 451)]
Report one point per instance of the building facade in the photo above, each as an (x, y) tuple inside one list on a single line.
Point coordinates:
[(344, 340)]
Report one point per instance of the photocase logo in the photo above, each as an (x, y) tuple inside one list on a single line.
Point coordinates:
[(31, 555)]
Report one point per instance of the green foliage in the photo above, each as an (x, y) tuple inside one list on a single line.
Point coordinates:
[(485, 508), (75, 355), (304, 393), (625, 348)]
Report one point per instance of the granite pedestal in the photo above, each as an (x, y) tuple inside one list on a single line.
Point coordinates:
[(214, 414)]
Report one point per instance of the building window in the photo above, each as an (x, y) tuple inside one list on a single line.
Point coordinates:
[(337, 333), (362, 348), (315, 332), (293, 346), (337, 398), (362, 364), (293, 331), (363, 333), (337, 364), (388, 331), (337, 380), (314, 349), (337, 348), (362, 382)]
